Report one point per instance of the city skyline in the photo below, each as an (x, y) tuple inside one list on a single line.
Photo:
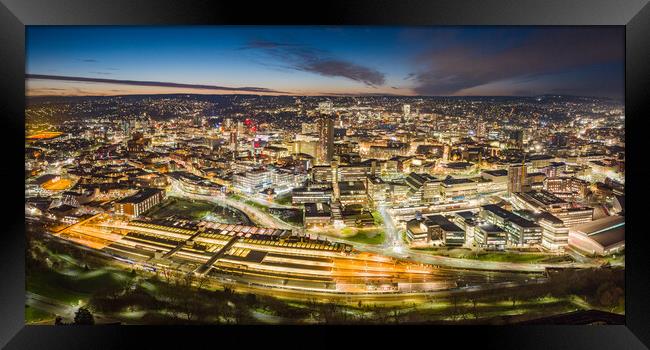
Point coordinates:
[(333, 61)]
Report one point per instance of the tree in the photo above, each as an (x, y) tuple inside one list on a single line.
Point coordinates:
[(251, 299), (58, 321), (168, 274), (474, 309), (83, 317)]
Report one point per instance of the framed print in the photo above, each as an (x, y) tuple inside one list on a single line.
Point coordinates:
[(212, 171)]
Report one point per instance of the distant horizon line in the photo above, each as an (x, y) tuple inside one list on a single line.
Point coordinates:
[(247, 90), (333, 95)]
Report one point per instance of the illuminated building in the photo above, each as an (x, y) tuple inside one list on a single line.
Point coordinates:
[(398, 192), (458, 189), (538, 201), (517, 178), (195, 184), (490, 236), (467, 221), (520, 230), (138, 203), (325, 107), (554, 234), (353, 192), (449, 232), (312, 194), (326, 139), (252, 181), (322, 173), (377, 190), (317, 214), (600, 237), (418, 232), (306, 145), (356, 172), (275, 152), (309, 128), (575, 215), (566, 187), (77, 198), (423, 187), (390, 150)]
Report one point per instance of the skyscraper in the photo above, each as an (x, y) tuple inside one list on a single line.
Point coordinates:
[(326, 139)]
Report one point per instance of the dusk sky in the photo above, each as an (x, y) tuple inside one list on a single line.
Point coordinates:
[(316, 60)]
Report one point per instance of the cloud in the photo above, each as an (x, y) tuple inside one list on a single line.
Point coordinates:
[(547, 51), (308, 59), (152, 83), (89, 60)]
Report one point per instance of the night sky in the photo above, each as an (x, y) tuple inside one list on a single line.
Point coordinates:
[(315, 60)]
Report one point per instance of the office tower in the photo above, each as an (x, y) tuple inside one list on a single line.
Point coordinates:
[(326, 139), (480, 127)]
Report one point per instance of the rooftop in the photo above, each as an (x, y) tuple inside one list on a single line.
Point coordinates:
[(498, 172), (443, 222), (140, 196)]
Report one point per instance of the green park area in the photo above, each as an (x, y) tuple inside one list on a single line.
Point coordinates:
[(284, 199), (195, 210), (377, 216), (179, 207), (368, 236), (70, 284), (510, 257), (34, 315)]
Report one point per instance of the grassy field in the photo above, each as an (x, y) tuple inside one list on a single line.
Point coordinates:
[(74, 285), (369, 237), (180, 207), (378, 219), (284, 199), (195, 210), (33, 315), (257, 205), (509, 257)]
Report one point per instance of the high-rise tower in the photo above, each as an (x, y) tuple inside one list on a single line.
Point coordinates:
[(326, 139)]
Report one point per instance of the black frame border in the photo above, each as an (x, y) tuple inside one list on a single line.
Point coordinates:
[(16, 14)]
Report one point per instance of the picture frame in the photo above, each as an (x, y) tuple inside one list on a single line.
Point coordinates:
[(634, 15)]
